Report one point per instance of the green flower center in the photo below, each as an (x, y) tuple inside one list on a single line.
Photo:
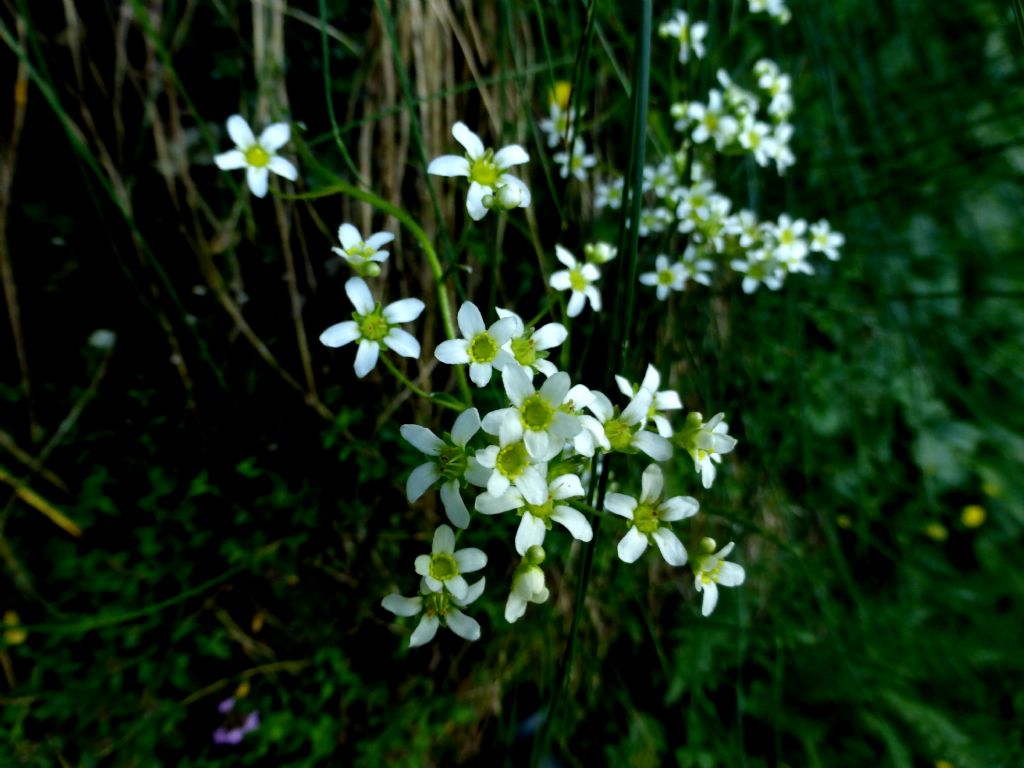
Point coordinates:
[(482, 348), (524, 352), (708, 576), (787, 237), (645, 518), (452, 462), (360, 251), (483, 170), (257, 156), (374, 326), (576, 279), (443, 566), (540, 511), (436, 604), (536, 413), (512, 460), (665, 277), (619, 434)]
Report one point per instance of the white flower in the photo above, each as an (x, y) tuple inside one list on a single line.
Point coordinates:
[(755, 137), (451, 461), (759, 267), (609, 194), (373, 325), (654, 220), (363, 256), (557, 123), (443, 567), (784, 156), (696, 268), (648, 515), (660, 178), (666, 277), (706, 443), (687, 34), (580, 279), (486, 170), (824, 240), (624, 432), (665, 400), (536, 519), (438, 609), (506, 465), (257, 156), (693, 204), (745, 226), (600, 252), (576, 162), (527, 585), (536, 417), (789, 236), (530, 347), (710, 570), (712, 122), (480, 346)]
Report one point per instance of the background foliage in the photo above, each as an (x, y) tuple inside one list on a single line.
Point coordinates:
[(238, 493)]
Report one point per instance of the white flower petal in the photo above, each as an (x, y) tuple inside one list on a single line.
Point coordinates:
[(403, 311), (511, 155), (710, 598), (471, 322), (469, 140), (283, 168), (564, 256), (655, 446), (652, 483), (349, 236), (462, 625), (466, 425), (667, 400), (475, 590), (366, 357), (492, 421), (620, 504), (402, 606), (475, 200), (480, 373), (671, 547), (358, 293), (560, 280), (340, 334), (731, 575), (566, 487), (470, 559), (230, 160), (424, 631), (574, 521), (453, 352), (537, 444), (378, 239), (532, 485), (555, 389), (517, 384), (550, 335), (497, 484), (632, 545), (256, 178), (458, 587), (275, 136), (565, 425), (515, 607), (678, 508), (503, 330), (495, 505), (531, 532), (422, 565), (422, 439), (240, 132), (420, 480), (576, 303), (444, 540), (402, 343), (449, 165)]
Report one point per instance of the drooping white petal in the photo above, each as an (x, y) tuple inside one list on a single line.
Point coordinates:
[(495, 505), (422, 439), (678, 508), (531, 532), (470, 559), (366, 357), (453, 352), (566, 487), (444, 540), (548, 336), (284, 168), (480, 373), (462, 625), (475, 590), (458, 586), (475, 200), (420, 480), (601, 406), (655, 446), (424, 631), (240, 132), (358, 293), (710, 597), (470, 141), (449, 165), (403, 310), (465, 427), (402, 606), (340, 334), (275, 136), (402, 343), (663, 425), (593, 296), (511, 155), (515, 607), (576, 303), (230, 160), (256, 178), (632, 545), (620, 504), (532, 484), (651, 484), (671, 547), (574, 521), (731, 575)]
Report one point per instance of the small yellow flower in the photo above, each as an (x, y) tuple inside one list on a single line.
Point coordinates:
[(559, 95), (973, 515), (14, 635), (936, 531)]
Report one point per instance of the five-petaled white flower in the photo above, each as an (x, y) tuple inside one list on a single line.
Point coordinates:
[(824, 240), (688, 35), (527, 585), (648, 515), (444, 566), (364, 256), (535, 417), (374, 325), (576, 162), (530, 347), (257, 156), (508, 464), (490, 184), (537, 518), (480, 346), (665, 400), (706, 443), (438, 609), (666, 277), (710, 570), (580, 279), (449, 465), (624, 432)]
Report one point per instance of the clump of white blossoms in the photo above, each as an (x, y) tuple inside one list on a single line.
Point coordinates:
[(372, 325), (578, 278), (481, 347), (688, 35), (257, 155), (364, 256), (706, 443), (527, 585), (710, 570), (649, 515), (661, 401), (491, 186), (449, 465)]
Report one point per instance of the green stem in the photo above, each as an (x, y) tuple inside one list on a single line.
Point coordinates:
[(412, 387)]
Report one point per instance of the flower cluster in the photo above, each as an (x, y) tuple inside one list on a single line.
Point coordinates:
[(560, 128)]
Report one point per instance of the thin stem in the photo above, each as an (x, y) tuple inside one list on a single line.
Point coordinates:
[(406, 381)]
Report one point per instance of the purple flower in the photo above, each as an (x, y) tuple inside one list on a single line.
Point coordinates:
[(232, 732)]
